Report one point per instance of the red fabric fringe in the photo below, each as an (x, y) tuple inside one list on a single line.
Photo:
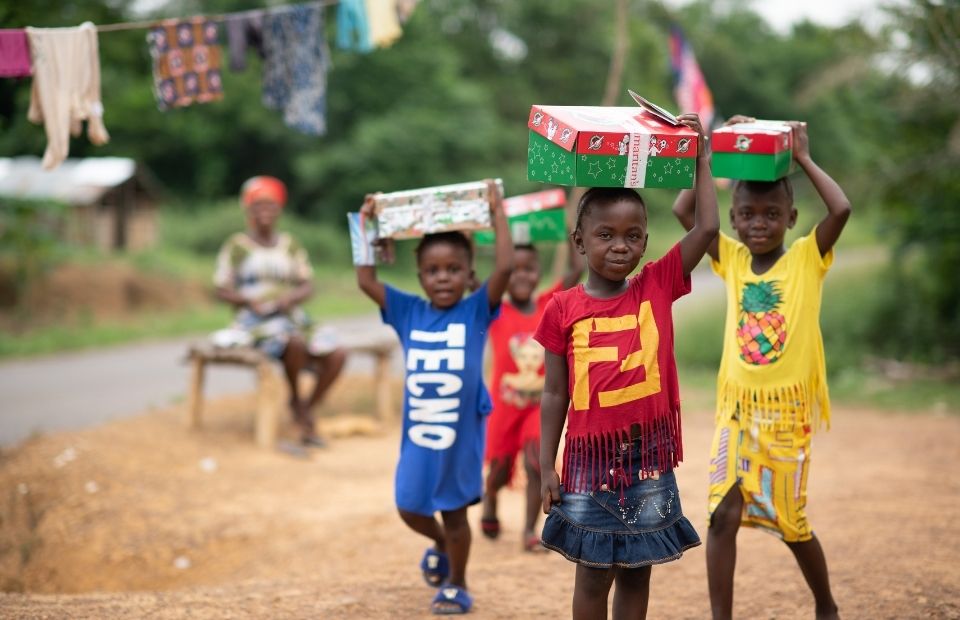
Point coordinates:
[(585, 457)]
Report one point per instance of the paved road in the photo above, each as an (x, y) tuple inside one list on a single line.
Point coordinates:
[(85, 388)]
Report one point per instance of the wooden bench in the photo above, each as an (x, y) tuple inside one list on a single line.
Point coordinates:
[(270, 383)]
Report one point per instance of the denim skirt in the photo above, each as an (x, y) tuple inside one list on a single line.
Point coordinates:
[(628, 525)]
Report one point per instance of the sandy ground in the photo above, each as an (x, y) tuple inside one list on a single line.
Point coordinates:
[(141, 518)]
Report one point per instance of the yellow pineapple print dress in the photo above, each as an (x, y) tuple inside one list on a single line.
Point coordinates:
[(772, 384)]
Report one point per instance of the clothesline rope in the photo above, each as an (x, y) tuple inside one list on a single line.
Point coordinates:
[(119, 26)]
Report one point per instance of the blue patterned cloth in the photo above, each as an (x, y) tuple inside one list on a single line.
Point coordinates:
[(295, 67)]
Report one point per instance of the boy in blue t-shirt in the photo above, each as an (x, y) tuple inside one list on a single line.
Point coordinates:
[(445, 401)]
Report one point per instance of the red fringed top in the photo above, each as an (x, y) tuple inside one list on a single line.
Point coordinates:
[(622, 372)]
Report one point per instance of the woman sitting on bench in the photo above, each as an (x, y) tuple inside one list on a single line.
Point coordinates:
[(266, 275)]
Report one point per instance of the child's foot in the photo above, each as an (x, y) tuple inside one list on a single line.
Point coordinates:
[(531, 542), (451, 600), (435, 566), (490, 526)]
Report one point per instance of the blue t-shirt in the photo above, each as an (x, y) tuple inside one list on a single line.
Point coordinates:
[(444, 400)]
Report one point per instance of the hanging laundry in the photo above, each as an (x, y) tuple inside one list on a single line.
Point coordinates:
[(186, 62), (384, 25), (66, 87), (244, 30), (295, 67), (353, 32), (405, 9), (14, 53)]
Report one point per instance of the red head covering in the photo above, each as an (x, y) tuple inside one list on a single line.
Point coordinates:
[(263, 188)]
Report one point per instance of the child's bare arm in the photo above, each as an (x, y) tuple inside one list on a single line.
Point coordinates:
[(685, 205), (553, 413), (503, 249), (367, 275), (684, 208), (838, 207), (706, 220)]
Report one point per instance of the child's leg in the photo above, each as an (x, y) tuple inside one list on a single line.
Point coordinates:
[(531, 463), (497, 477), (456, 530), (426, 526), (590, 591), (722, 552), (813, 564), (632, 593), (328, 369)]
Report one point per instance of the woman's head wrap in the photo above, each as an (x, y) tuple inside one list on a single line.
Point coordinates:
[(263, 188)]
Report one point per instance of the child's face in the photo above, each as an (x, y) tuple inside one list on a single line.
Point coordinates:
[(444, 272), (613, 238), (762, 219), (525, 277)]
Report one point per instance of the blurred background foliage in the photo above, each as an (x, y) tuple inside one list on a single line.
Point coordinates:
[(444, 104)]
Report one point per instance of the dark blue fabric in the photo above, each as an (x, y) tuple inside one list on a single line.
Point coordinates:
[(445, 401)]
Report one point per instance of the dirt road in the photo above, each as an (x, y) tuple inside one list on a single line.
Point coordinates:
[(139, 518)]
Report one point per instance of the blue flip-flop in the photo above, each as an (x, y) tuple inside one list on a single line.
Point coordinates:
[(435, 566), (451, 600)]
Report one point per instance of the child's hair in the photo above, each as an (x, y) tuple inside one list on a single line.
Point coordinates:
[(765, 187), (605, 196), (454, 238), (526, 246)]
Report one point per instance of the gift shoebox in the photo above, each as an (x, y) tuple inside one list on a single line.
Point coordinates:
[(756, 151), (363, 232), (609, 147), (535, 217), (417, 212)]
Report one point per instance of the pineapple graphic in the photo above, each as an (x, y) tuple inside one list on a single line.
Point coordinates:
[(762, 331)]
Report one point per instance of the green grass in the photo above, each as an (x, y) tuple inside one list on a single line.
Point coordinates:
[(86, 333)]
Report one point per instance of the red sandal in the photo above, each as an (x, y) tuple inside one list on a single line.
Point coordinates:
[(490, 526)]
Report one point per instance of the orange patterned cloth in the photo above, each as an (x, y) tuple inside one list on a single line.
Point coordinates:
[(186, 62)]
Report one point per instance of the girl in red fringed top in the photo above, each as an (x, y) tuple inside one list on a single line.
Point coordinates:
[(609, 358)]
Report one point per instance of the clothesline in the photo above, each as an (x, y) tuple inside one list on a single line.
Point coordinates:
[(119, 26), (186, 57)]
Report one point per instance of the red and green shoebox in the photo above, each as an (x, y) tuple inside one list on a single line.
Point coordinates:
[(533, 218), (757, 151), (608, 147)]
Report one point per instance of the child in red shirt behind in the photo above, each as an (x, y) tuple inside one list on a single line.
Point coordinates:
[(514, 424)]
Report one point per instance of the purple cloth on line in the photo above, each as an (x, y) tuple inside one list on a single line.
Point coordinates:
[(14, 53)]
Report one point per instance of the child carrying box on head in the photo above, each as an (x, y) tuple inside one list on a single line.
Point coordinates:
[(772, 385), (609, 358), (517, 383), (445, 402)]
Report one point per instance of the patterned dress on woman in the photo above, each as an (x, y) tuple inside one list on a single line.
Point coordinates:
[(265, 274)]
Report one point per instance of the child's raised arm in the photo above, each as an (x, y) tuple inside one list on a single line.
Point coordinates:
[(503, 249), (553, 413), (702, 231), (367, 275), (838, 207), (686, 203)]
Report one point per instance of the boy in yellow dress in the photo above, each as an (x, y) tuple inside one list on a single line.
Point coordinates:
[(772, 385)]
